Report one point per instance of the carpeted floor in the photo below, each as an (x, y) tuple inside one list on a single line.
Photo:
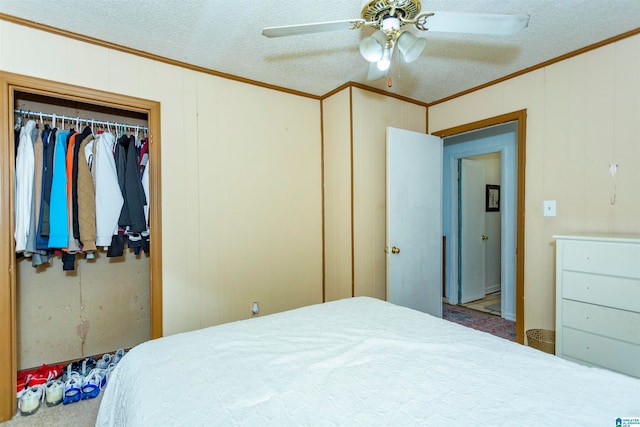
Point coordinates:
[(486, 322), (80, 414)]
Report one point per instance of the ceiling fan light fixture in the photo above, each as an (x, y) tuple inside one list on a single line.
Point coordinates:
[(372, 47), (388, 18), (385, 62), (410, 46)]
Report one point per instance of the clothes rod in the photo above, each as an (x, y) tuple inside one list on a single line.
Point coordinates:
[(40, 115)]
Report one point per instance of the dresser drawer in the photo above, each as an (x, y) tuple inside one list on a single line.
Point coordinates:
[(601, 351), (611, 291), (615, 259), (618, 324)]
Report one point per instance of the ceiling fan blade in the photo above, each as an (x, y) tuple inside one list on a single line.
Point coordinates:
[(375, 73), (318, 27), (476, 23)]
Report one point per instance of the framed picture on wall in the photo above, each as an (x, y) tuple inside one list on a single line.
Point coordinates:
[(492, 198)]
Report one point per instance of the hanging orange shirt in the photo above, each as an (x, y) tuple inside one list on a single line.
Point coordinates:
[(72, 141), (70, 152)]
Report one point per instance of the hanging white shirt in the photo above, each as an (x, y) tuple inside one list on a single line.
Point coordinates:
[(145, 187), (109, 198), (25, 164)]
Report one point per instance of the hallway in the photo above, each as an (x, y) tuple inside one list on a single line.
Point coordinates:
[(489, 304)]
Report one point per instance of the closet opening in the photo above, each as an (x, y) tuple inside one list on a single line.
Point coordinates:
[(70, 306), (62, 305)]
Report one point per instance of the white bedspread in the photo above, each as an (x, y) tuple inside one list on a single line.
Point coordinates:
[(358, 361)]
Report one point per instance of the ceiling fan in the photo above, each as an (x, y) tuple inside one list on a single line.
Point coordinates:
[(389, 17)]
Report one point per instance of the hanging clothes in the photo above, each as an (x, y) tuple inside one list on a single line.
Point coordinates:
[(42, 241), (109, 198), (31, 233), (25, 161), (86, 197), (145, 186), (58, 207), (38, 257), (46, 192), (77, 159), (73, 245), (38, 149), (132, 215), (71, 196), (42, 254)]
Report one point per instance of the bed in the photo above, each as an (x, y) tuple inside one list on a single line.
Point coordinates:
[(357, 361)]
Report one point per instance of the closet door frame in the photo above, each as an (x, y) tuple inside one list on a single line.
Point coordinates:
[(10, 84)]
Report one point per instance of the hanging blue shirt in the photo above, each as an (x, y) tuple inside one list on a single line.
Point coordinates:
[(58, 206)]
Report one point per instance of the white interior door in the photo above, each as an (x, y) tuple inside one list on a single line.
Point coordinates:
[(414, 220), (472, 231)]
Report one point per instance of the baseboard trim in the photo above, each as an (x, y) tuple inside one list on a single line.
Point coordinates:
[(493, 288)]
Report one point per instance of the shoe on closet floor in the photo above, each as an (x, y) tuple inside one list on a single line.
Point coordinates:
[(22, 383), (45, 373), (118, 356), (82, 368), (72, 388), (70, 370), (104, 362), (92, 384), (88, 364), (30, 400), (109, 370), (54, 392)]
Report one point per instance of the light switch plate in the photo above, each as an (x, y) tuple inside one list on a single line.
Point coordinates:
[(549, 208)]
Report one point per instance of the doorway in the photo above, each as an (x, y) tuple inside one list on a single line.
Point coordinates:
[(506, 135), (479, 232)]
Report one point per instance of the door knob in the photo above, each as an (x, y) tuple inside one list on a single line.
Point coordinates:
[(395, 250), (386, 249), (484, 237)]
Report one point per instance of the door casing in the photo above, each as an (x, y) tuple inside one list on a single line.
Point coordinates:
[(518, 245), (9, 84)]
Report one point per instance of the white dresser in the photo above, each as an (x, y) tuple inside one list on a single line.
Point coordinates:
[(598, 301)]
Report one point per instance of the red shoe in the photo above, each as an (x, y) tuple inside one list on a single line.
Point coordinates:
[(23, 382), (45, 373)]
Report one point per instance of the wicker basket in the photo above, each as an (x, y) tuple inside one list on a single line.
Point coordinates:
[(542, 339)]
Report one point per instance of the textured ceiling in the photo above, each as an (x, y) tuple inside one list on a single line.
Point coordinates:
[(225, 36)]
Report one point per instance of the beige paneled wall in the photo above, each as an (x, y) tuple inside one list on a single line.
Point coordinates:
[(241, 178), (371, 114), (582, 117), (260, 198), (336, 119)]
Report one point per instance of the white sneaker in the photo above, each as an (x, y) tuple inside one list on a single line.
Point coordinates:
[(118, 356), (54, 392), (104, 362), (30, 401), (108, 371)]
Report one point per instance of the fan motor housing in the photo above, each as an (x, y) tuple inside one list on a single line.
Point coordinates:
[(377, 10)]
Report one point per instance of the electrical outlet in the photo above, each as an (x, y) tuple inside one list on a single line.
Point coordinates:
[(549, 208)]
